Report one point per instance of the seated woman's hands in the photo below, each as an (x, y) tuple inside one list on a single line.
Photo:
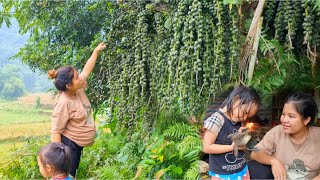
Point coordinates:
[(278, 170)]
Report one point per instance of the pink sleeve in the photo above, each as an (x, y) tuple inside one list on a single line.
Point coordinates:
[(60, 118)]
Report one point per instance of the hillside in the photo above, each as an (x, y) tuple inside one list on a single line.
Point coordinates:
[(10, 43)]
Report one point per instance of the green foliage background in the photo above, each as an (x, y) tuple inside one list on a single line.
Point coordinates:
[(165, 62)]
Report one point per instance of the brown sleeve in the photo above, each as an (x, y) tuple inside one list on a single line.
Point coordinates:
[(60, 118), (268, 143)]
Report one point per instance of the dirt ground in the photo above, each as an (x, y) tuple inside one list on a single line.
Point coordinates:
[(46, 99)]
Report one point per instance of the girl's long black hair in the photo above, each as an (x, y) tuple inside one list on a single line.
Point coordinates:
[(57, 155), (247, 96)]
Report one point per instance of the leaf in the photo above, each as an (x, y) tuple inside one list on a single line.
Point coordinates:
[(316, 4), (193, 172), (232, 1), (276, 81), (283, 72), (177, 170), (161, 173), (150, 7), (148, 161), (189, 144), (154, 156), (168, 23), (138, 173), (93, 7), (180, 130), (161, 158)]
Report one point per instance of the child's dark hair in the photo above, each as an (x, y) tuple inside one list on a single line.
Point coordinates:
[(305, 104), (62, 77), (246, 96), (57, 155)]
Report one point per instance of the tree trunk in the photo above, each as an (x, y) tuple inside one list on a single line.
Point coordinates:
[(247, 60), (253, 57)]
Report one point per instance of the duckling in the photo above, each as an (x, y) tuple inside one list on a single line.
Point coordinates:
[(239, 139)]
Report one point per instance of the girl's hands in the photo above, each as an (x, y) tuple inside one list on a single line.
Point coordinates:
[(278, 170), (241, 129), (239, 147)]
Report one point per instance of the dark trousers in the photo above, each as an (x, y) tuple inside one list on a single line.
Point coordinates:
[(259, 171), (76, 151)]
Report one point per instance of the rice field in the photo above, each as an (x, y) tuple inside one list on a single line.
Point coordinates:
[(21, 119), (25, 110)]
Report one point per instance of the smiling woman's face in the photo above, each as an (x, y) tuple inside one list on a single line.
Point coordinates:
[(291, 120)]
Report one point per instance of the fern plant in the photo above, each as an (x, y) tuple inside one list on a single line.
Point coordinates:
[(111, 171), (171, 154), (280, 70), (179, 131), (193, 172), (190, 147)]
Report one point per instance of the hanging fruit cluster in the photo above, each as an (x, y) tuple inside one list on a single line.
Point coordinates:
[(293, 23), (176, 56), (162, 61)]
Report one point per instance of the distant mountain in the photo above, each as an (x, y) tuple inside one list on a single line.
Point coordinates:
[(10, 43)]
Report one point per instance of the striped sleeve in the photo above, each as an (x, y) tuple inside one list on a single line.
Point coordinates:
[(214, 123)]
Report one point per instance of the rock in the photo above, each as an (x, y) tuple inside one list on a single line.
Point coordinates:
[(203, 166)]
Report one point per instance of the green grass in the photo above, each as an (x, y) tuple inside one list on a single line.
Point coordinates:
[(7, 149), (8, 117), (17, 112)]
